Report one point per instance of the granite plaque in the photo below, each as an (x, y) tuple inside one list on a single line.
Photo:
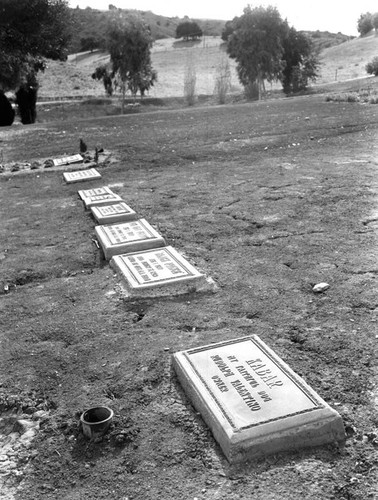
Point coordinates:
[(98, 196), (67, 160), (154, 269), (128, 237), (116, 212), (81, 175), (252, 401)]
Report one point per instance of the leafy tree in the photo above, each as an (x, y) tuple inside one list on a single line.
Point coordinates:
[(103, 73), (129, 45), (301, 61), (372, 67), (30, 31), (227, 30), (188, 30), (89, 43), (365, 23), (256, 45)]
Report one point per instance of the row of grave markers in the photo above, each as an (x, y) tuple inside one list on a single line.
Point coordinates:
[(254, 404)]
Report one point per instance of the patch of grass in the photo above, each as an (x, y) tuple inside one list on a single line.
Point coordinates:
[(363, 96)]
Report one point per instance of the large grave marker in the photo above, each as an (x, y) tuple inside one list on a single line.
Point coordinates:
[(81, 175), (66, 160), (116, 212), (128, 237), (252, 401), (98, 196), (156, 270)]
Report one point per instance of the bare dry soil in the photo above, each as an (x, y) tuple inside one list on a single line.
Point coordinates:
[(266, 198)]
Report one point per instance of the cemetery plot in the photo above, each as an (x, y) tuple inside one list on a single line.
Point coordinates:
[(66, 160), (252, 401), (98, 196), (116, 212), (155, 269), (128, 237), (81, 175)]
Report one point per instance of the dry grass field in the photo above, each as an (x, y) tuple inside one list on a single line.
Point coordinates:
[(170, 58)]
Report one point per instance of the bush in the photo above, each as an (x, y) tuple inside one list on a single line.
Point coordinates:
[(372, 67), (222, 81), (190, 81)]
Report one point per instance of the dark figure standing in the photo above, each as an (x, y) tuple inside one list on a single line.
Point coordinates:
[(6, 111), (26, 98)]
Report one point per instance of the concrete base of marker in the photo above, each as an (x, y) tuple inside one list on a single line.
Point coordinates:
[(248, 417), (81, 176), (177, 277), (98, 196)]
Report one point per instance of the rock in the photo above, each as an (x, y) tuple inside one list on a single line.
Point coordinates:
[(320, 287)]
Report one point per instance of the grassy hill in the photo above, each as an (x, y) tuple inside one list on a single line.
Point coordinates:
[(72, 78)]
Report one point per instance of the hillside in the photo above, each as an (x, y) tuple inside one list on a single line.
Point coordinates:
[(169, 57), (92, 23)]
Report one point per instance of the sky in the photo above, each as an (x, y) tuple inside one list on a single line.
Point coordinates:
[(323, 15)]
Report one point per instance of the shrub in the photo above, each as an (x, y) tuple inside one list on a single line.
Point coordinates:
[(372, 67), (222, 81), (190, 80)]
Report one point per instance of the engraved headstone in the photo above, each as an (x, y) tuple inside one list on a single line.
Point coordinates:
[(156, 269), (128, 237), (116, 212), (254, 404), (66, 160), (81, 175), (98, 196)]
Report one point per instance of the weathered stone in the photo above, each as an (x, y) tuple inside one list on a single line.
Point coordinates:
[(81, 175), (252, 401), (128, 237), (117, 212), (162, 270), (66, 160), (98, 196)]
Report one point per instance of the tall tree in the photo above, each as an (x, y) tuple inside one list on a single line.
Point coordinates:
[(365, 23), (301, 61), (30, 31), (188, 30), (129, 45), (256, 45)]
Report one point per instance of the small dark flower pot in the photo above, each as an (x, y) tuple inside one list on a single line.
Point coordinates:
[(96, 421)]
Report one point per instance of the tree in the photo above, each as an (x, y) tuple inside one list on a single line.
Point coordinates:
[(30, 31), (103, 73), (227, 30), (301, 61), (372, 67), (129, 45), (188, 30), (256, 45), (365, 23)]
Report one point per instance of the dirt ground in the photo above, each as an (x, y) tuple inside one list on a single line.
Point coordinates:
[(266, 198)]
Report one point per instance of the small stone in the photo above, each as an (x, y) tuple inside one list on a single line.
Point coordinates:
[(320, 287)]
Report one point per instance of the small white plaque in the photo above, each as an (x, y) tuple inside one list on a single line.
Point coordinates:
[(253, 402), (116, 212), (67, 160), (98, 196), (81, 175), (154, 268), (128, 237)]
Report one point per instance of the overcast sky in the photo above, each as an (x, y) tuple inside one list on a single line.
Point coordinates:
[(325, 15)]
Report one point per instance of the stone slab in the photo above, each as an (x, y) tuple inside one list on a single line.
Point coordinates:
[(254, 404), (98, 196), (81, 175), (116, 212), (133, 236), (161, 271), (66, 160)]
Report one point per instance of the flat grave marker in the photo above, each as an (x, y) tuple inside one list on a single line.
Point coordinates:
[(81, 175), (254, 404), (66, 160), (127, 237), (161, 271), (98, 196), (116, 212)]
